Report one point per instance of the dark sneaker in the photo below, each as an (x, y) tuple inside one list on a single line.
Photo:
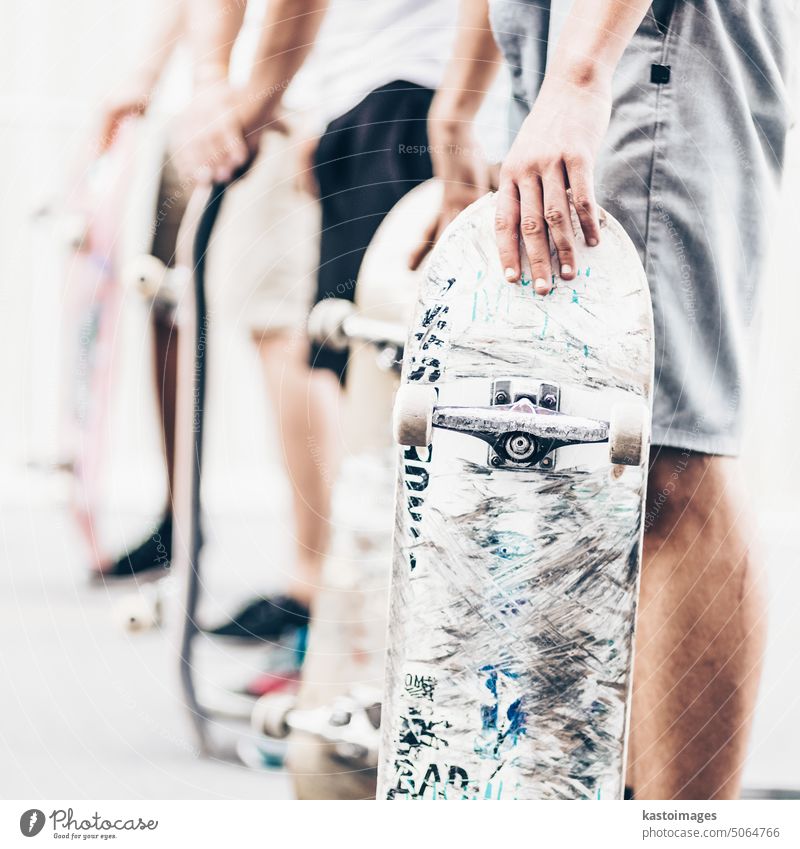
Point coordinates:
[(265, 619), (153, 555)]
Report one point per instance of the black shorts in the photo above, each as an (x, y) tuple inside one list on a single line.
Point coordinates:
[(366, 161)]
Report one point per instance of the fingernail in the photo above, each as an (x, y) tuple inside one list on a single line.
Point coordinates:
[(566, 269), (540, 285), (511, 275), (592, 242)]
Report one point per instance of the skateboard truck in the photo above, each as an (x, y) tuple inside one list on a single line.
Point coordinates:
[(350, 725), (335, 323), (522, 428)]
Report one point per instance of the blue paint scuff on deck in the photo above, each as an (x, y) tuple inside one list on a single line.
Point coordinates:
[(502, 718)]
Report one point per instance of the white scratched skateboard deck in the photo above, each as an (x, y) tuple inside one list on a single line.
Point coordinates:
[(347, 634), (516, 567)]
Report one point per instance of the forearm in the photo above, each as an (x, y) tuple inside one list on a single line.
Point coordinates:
[(470, 70), (594, 37), (169, 28), (213, 27), (289, 31)]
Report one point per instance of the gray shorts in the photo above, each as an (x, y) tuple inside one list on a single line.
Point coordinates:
[(691, 168)]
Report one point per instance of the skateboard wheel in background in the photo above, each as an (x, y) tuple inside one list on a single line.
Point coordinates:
[(628, 433), (326, 323), (413, 415), (141, 612), (146, 274), (271, 715)]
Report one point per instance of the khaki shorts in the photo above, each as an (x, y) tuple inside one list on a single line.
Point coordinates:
[(262, 261)]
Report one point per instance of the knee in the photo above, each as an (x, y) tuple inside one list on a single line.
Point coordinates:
[(674, 486), (698, 496), (697, 506)]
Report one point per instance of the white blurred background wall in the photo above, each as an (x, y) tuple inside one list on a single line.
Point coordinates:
[(58, 60)]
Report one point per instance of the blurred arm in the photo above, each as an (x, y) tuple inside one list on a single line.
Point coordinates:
[(168, 29), (458, 160), (132, 96), (469, 73), (213, 27), (223, 127), (287, 36)]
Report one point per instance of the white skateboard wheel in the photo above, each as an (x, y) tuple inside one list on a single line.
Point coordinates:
[(142, 613), (146, 274), (628, 433), (413, 415), (271, 715), (326, 323)]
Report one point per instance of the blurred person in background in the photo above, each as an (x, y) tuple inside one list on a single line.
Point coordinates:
[(382, 64), (133, 98), (261, 261)]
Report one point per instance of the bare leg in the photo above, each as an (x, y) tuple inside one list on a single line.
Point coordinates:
[(166, 371), (155, 551), (306, 408), (701, 632)]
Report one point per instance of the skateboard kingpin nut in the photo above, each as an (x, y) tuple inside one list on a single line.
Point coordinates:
[(549, 401), (520, 447)]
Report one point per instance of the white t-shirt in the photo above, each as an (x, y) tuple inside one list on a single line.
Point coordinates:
[(365, 44), (362, 45)]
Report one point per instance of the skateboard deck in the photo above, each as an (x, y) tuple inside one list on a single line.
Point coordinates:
[(220, 716), (111, 215), (91, 226), (345, 657), (192, 315), (518, 534)]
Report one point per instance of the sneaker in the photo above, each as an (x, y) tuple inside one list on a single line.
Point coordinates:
[(265, 619), (150, 557)]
